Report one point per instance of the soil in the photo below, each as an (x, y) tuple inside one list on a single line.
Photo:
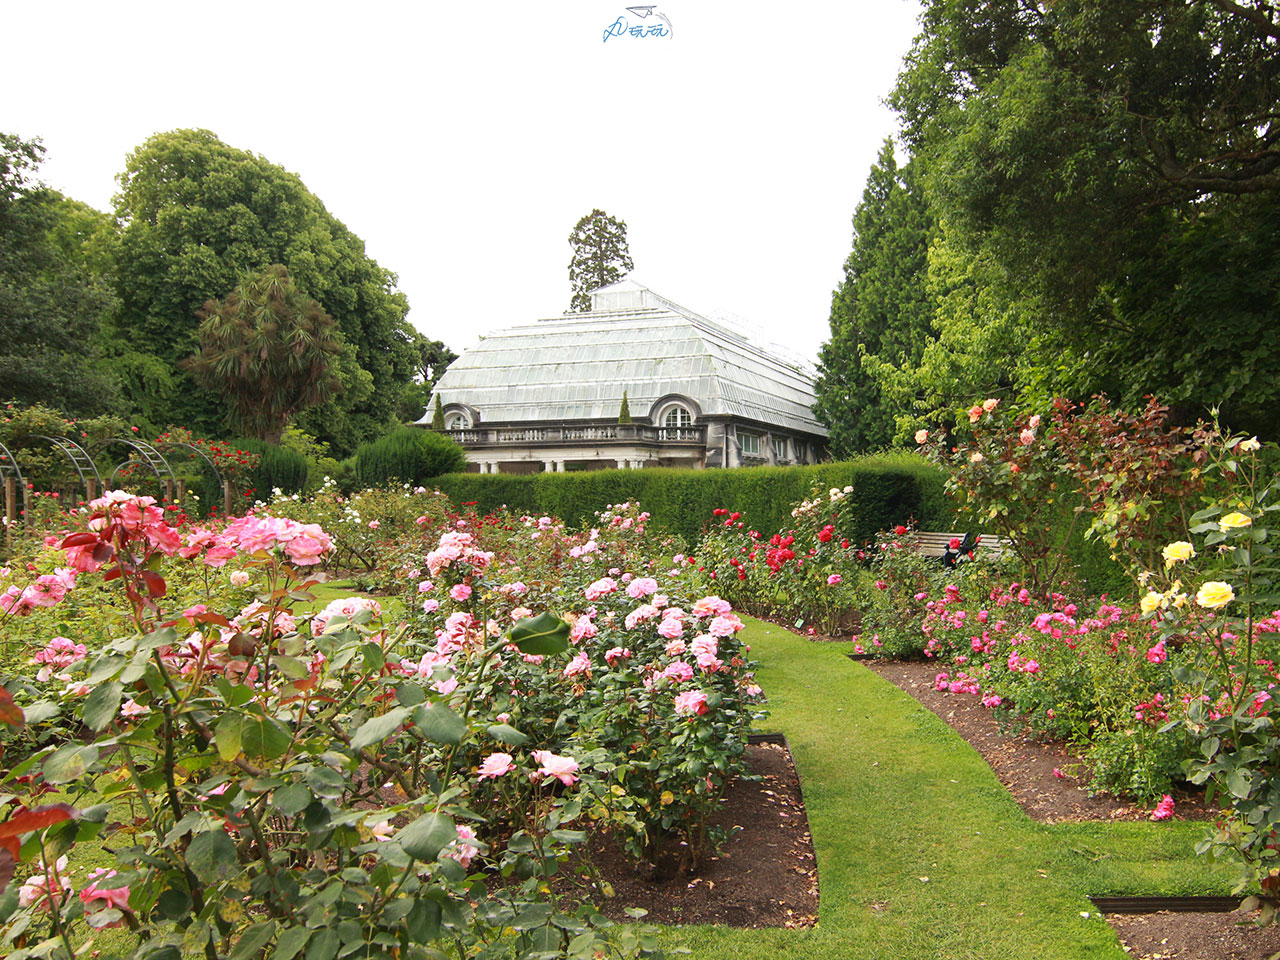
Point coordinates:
[(1025, 763), (1194, 936), (765, 875)]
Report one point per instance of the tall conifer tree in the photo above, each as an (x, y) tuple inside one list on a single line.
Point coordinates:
[(882, 309)]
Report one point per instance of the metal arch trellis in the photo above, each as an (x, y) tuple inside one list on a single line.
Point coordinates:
[(9, 470), (175, 444), (84, 466), (150, 456)]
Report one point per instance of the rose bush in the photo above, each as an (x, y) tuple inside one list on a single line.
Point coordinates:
[(277, 779)]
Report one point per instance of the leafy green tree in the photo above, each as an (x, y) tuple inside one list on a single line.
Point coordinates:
[(431, 360), (624, 411), (882, 313), (1117, 167), (198, 216), (600, 256), (269, 350), (53, 294)]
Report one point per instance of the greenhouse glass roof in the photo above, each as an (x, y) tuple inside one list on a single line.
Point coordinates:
[(576, 367)]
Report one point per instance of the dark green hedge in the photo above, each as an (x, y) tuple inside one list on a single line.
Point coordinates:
[(887, 489), (279, 467), (407, 455)]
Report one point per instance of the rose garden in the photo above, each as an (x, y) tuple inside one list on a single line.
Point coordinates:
[(388, 724)]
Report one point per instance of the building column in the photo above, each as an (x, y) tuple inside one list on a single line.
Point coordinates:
[(559, 466), (624, 464)]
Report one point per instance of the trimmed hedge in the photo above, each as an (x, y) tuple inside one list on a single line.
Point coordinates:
[(887, 489), (279, 467), (407, 455)]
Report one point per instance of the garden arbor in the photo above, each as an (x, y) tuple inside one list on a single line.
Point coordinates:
[(80, 470)]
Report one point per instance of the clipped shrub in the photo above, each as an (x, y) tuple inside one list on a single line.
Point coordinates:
[(277, 467), (407, 455)]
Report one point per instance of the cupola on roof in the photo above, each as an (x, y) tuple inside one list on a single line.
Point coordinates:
[(577, 366)]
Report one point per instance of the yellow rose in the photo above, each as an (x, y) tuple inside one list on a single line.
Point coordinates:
[(1151, 601), (1177, 552), (1215, 594), (1250, 445), (1234, 521)]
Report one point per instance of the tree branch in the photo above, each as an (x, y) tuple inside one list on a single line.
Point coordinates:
[(1254, 15)]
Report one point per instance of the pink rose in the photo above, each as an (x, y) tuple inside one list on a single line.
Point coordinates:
[(600, 588), (460, 592), (564, 769), (307, 549), (98, 896), (678, 672), (725, 625), (691, 702), (1164, 809), (496, 765), (579, 665), (711, 607), (834, 579), (460, 849), (642, 587)]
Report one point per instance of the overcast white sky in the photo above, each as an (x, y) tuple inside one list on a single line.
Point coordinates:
[(463, 142)]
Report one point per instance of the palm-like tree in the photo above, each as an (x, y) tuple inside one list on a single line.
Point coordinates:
[(270, 350)]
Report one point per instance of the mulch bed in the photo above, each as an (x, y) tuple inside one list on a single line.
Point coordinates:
[(1025, 765), (764, 876), (1194, 936)]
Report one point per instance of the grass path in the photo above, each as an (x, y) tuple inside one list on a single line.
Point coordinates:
[(894, 796)]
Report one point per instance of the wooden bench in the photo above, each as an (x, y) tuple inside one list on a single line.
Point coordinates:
[(930, 544)]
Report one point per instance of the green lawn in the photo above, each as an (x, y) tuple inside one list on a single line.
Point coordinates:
[(894, 797)]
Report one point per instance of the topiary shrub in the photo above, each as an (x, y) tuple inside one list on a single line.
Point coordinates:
[(278, 467), (407, 455)]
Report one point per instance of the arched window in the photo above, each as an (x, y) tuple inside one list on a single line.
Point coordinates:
[(678, 417), (677, 424), (456, 421)]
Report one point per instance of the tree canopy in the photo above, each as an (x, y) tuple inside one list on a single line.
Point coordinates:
[(1105, 180), (600, 256), (53, 294), (199, 216)]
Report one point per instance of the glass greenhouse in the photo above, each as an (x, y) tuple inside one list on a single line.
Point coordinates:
[(548, 395)]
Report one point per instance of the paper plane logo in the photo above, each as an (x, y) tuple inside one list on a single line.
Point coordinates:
[(660, 26)]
